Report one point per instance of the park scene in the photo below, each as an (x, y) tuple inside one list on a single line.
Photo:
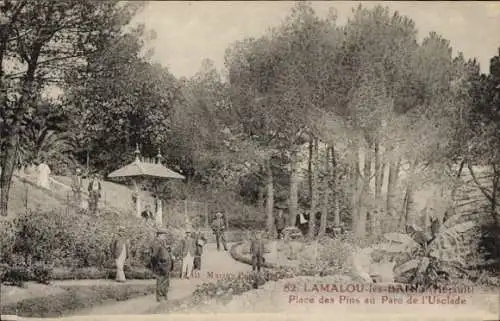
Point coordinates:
[(324, 166)]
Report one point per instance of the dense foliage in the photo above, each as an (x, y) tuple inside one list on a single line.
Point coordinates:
[(39, 244), (431, 260)]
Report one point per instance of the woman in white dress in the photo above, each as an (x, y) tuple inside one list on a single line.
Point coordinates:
[(120, 250)]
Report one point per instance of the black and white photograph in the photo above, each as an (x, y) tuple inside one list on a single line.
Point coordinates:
[(271, 160)]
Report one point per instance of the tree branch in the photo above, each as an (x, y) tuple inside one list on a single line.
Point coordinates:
[(484, 190)]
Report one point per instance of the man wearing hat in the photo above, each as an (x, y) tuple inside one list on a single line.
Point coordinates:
[(162, 262), (76, 186), (280, 223), (94, 193), (257, 251), (200, 241), (120, 248), (219, 227), (187, 252)]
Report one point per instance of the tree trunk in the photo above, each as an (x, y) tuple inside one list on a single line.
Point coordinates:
[(8, 165), (260, 199), (356, 189), (293, 197), (382, 178), (457, 184), (310, 167), (409, 206), (391, 187), (313, 188), (362, 203), (326, 197), (333, 188), (270, 197), (379, 173), (9, 158), (494, 190)]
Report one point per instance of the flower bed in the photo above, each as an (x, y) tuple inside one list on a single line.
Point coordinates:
[(240, 296), (225, 290), (325, 257)]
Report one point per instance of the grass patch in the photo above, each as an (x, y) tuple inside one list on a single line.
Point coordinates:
[(75, 298)]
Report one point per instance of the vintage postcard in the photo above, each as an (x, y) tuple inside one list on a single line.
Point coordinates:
[(259, 160)]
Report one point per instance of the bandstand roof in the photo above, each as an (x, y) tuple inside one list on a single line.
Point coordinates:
[(139, 168), (146, 168)]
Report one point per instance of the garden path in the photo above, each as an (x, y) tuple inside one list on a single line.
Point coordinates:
[(265, 300), (219, 263)]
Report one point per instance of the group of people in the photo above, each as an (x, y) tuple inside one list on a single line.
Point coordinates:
[(162, 257), (301, 222), (94, 189)]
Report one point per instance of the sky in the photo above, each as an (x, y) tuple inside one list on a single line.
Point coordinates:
[(189, 31)]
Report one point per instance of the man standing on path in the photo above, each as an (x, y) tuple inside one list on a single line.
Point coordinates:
[(76, 187), (200, 241), (280, 223), (187, 252), (120, 248), (219, 227), (94, 193), (257, 251), (162, 262)]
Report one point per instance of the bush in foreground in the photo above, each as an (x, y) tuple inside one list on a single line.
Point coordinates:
[(36, 243)]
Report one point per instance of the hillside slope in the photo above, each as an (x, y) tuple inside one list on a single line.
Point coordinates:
[(26, 194)]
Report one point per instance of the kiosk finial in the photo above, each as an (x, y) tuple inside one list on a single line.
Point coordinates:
[(159, 157), (137, 153)]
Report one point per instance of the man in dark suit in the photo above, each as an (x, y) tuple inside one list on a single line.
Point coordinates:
[(162, 262), (200, 242), (219, 228), (257, 251), (147, 214), (280, 223), (94, 193), (302, 222), (76, 187)]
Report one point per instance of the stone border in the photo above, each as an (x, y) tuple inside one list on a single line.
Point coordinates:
[(237, 256)]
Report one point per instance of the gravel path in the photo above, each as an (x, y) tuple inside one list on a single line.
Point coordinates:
[(214, 265)]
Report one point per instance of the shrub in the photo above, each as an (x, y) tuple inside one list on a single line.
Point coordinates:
[(19, 273), (42, 273), (41, 240), (327, 256), (431, 260), (8, 233), (16, 275)]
